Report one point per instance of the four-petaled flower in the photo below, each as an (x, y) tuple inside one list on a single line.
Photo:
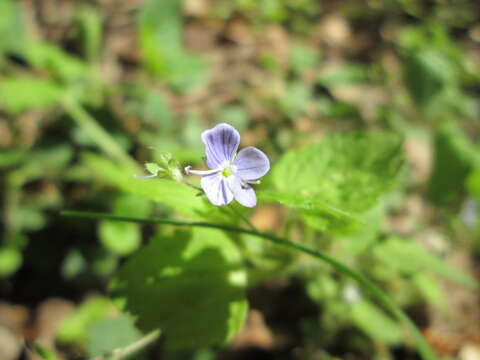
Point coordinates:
[(231, 175)]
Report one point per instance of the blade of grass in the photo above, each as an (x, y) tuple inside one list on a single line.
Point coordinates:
[(421, 344), (101, 137)]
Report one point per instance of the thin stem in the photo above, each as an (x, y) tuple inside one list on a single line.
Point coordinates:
[(131, 349), (192, 186), (101, 137), (422, 346), (241, 216)]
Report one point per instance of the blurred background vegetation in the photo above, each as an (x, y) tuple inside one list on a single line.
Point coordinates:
[(369, 111)]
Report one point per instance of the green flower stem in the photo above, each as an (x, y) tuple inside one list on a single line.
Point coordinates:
[(422, 346), (237, 213), (101, 137)]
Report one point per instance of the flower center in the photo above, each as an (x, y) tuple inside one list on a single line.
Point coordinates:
[(227, 169), (226, 172)]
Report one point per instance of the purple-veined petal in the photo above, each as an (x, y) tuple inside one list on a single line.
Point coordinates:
[(251, 163), (221, 143), (216, 188), (242, 192)]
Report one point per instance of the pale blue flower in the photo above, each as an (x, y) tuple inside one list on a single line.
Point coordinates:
[(231, 175)]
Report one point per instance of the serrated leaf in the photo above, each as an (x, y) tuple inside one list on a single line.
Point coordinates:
[(190, 285), (344, 175)]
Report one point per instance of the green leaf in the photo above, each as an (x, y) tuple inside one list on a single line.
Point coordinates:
[(119, 238), (91, 26), (12, 37), (12, 157), (30, 219), (409, 258), (342, 175), (62, 65), (432, 35), (161, 43), (343, 75), (303, 58), (151, 107), (109, 334), (131, 205), (430, 289), (10, 261), (18, 94), (74, 263), (361, 241), (43, 163), (235, 115), (454, 157), (323, 287), (173, 194), (295, 99), (319, 214), (376, 323), (190, 285), (74, 328), (44, 352), (473, 184), (186, 71), (124, 238), (427, 74)]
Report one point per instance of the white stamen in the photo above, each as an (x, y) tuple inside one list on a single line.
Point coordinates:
[(144, 176), (188, 170)]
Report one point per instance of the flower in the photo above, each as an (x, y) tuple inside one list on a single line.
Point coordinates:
[(231, 175)]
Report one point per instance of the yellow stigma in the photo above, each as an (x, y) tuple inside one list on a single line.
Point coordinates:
[(226, 172)]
